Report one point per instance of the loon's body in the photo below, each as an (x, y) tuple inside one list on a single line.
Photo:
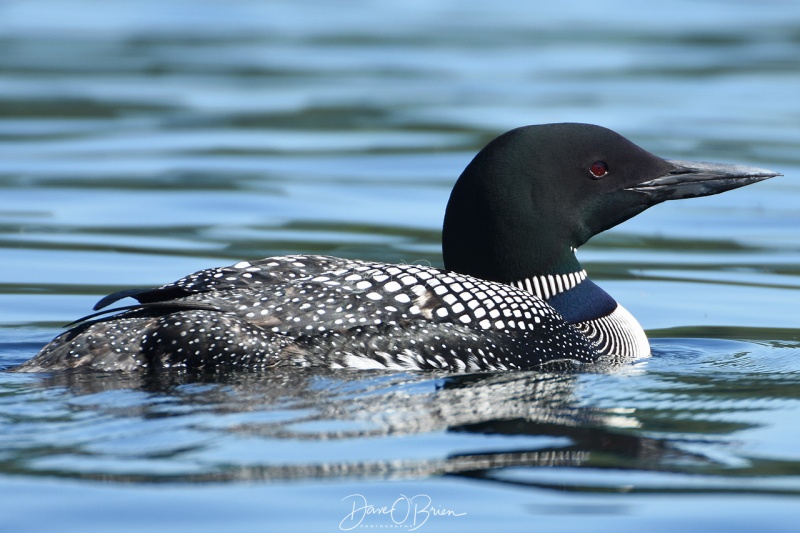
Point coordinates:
[(513, 295)]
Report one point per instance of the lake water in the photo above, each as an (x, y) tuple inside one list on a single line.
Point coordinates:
[(141, 141)]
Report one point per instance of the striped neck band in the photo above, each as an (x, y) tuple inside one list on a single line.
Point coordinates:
[(546, 286)]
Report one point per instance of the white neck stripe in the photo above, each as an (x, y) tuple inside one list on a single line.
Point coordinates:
[(547, 286)]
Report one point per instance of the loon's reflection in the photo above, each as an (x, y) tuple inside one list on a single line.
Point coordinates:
[(303, 406)]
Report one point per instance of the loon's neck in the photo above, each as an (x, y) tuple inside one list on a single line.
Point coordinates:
[(583, 302), (546, 286), (593, 312), (569, 291), (562, 282)]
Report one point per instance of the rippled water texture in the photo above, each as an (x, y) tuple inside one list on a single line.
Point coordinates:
[(141, 141)]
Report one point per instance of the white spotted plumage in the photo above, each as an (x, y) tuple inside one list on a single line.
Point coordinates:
[(324, 311)]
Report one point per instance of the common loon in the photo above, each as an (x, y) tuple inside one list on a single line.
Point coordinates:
[(512, 295)]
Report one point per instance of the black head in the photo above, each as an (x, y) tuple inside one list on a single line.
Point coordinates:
[(536, 193)]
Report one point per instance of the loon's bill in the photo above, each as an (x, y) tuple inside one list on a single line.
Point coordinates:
[(512, 296), (690, 179)]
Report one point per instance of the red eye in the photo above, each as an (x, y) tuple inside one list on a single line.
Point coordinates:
[(598, 169)]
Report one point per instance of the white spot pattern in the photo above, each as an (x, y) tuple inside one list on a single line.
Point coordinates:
[(323, 311)]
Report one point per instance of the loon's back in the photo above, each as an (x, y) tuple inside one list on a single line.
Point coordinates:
[(322, 311)]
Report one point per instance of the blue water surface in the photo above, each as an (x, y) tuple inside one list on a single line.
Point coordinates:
[(141, 141)]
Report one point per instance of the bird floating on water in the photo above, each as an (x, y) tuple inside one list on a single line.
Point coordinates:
[(512, 295)]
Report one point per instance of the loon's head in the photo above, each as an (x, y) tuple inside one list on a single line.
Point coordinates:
[(536, 193)]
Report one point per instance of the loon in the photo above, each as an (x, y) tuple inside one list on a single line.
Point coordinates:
[(512, 296)]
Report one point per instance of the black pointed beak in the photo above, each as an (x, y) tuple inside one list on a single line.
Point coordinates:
[(687, 179)]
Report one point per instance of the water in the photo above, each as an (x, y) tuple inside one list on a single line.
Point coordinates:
[(140, 141)]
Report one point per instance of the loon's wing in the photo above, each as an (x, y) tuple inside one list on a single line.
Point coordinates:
[(354, 314), (243, 275)]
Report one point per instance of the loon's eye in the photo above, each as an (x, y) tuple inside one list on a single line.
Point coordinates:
[(598, 169)]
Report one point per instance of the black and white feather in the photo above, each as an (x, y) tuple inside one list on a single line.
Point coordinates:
[(323, 311)]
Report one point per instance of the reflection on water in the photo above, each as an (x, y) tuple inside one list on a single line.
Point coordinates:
[(299, 425)]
